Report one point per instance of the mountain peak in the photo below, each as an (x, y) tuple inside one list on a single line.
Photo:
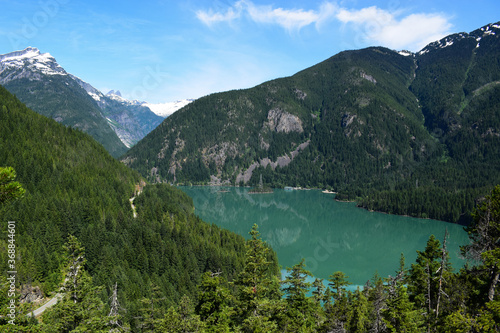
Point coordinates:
[(116, 93), (30, 60), (492, 29), (29, 52)]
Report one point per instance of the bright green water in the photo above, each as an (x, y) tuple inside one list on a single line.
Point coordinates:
[(330, 235)]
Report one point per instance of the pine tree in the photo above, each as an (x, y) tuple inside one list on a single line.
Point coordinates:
[(214, 303), (484, 233), (152, 310), (318, 298), (400, 314), (299, 307), (337, 305), (181, 319), (377, 298), (359, 321), (258, 292), (426, 278), (9, 188)]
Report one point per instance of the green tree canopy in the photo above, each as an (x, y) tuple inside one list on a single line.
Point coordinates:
[(9, 188)]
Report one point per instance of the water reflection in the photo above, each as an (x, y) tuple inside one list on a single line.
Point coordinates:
[(330, 235)]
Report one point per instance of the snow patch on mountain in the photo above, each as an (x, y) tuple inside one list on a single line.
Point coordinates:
[(31, 59), (405, 53), (166, 109)]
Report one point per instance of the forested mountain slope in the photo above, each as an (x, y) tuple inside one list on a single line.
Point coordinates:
[(41, 83), (74, 187), (402, 133)]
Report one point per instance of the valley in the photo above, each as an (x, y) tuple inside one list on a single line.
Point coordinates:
[(107, 222)]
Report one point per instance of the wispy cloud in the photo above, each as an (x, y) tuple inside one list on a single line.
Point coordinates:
[(289, 19), (371, 25), (211, 16), (391, 29)]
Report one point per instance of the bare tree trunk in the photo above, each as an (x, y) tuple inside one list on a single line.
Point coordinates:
[(442, 268), (115, 306), (494, 281)]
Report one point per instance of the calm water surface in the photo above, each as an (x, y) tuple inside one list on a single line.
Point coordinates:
[(330, 235)]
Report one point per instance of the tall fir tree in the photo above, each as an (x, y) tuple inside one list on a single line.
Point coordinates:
[(337, 306), (214, 303), (300, 308), (257, 290)]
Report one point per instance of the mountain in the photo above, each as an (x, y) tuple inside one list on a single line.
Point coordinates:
[(161, 109), (47, 88), (401, 132), (39, 81), (74, 187), (166, 109), (131, 121)]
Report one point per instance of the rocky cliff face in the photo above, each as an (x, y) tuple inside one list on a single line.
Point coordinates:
[(281, 121)]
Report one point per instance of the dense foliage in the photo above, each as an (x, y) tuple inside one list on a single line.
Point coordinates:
[(61, 98), (415, 135), (73, 187), (426, 297)]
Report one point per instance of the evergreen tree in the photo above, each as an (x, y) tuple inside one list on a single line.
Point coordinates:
[(214, 299), (300, 308), (484, 233), (359, 320), (426, 278), (400, 314), (257, 291), (153, 310), (181, 319), (337, 306), (483, 311), (377, 299), (80, 309), (9, 188), (319, 299)]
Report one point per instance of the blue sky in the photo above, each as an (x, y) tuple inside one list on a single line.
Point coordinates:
[(161, 51)]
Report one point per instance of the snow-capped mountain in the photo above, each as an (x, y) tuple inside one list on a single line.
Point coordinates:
[(161, 109), (475, 36), (41, 83), (25, 63), (166, 109)]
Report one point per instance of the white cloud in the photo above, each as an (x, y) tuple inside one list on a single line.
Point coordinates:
[(414, 31), (211, 17), (377, 26), (294, 19), (370, 25), (289, 19)]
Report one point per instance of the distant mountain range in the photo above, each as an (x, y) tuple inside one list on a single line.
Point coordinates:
[(402, 132), (39, 81), (161, 109)]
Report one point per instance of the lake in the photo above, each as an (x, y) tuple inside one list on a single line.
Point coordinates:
[(330, 235)]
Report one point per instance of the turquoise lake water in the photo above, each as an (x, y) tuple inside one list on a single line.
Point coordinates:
[(330, 235)]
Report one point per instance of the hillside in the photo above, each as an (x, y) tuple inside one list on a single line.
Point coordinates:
[(43, 85), (74, 187), (398, 132)]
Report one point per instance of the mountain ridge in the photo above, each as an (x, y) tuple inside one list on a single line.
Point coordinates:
[(38, 80), (380, 124)]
